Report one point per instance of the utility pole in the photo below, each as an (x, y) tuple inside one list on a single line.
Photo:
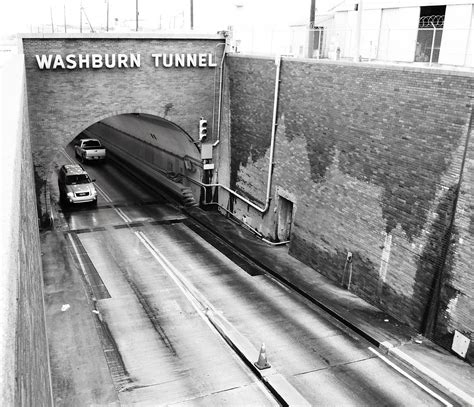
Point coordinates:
[(107, 26), (312, 12), (136, 7), (52, 23), (191, 6), (358, 31), (80, 17)]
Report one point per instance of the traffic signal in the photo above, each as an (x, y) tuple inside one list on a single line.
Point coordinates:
[(202, 129)]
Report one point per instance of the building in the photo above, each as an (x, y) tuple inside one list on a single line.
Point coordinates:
[(425, 32)]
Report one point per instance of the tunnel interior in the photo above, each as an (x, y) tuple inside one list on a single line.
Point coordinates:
[(153, 149)]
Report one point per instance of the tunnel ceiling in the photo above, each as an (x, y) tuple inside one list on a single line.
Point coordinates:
[(156, 131)]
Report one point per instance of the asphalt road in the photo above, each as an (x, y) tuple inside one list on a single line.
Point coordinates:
[(129, 290)]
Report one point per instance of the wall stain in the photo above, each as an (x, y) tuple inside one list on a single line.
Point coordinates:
[(437, 257), (168, 108)]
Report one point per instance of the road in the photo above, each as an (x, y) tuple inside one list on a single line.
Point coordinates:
[(134, 300)]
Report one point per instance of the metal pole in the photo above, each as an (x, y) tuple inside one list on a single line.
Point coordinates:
[(136, 6), (107, 28), (431, 314), (65, 27), (80, 17), (52, 23), (312, 11), (432, 42), (191, 5), (358, 31)]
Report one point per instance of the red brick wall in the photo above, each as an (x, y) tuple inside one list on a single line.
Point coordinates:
[(372, 156)]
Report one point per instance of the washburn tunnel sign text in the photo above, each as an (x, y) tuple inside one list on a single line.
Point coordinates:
[(97, 61)]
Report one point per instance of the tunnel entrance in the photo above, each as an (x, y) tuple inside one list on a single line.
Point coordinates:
[(154, 150)]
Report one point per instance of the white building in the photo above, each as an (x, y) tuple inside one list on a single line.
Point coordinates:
[(426, 32), (420, 31)]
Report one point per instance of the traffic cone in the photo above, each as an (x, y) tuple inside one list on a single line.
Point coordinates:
[(262, 362)]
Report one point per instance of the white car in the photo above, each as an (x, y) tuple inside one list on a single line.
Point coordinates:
[(75, 185)]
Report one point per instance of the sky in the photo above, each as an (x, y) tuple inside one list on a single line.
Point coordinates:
[(25, 16)]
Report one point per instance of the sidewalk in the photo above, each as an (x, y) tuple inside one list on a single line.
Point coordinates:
[(434, 364)]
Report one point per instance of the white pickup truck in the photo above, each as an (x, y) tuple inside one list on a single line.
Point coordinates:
[(89, 149)]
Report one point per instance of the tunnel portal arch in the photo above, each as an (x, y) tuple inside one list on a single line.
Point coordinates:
[(156, 150), (63, 98)]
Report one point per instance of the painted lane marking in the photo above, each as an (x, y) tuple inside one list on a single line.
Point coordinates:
[(417, 382), (175, 274), (79, 257), (103, 193), (63, 151), (271, 384), (123, 215), (172, 272)]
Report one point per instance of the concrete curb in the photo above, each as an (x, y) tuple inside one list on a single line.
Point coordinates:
[(430, 376), (284, 392)]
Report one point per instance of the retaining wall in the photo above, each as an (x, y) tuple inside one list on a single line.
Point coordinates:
[(370, 157), (24, 362)]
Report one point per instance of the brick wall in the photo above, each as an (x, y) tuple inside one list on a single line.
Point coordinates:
[(33, 385), (24, 362), (64, 102), (372, 156)]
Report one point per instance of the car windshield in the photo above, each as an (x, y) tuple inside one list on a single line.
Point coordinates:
[(77, 179), (91, 144)]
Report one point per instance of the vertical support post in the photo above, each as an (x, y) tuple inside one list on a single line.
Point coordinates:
[(107, 27), (136, 15), (431, 313), (80, 17), (358, 31), (432, 43), (51, 14), (312, 11), (65, 26)]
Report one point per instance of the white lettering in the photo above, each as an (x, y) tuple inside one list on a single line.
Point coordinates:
[(71, 61), (180, 60), (167, 60), (191, 60), (211, 62), (156, 58), (122, 61), (110, 61), (83, 60), (44, 61), (134, 60), (58, 61), (202, 60), (97, 61)]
